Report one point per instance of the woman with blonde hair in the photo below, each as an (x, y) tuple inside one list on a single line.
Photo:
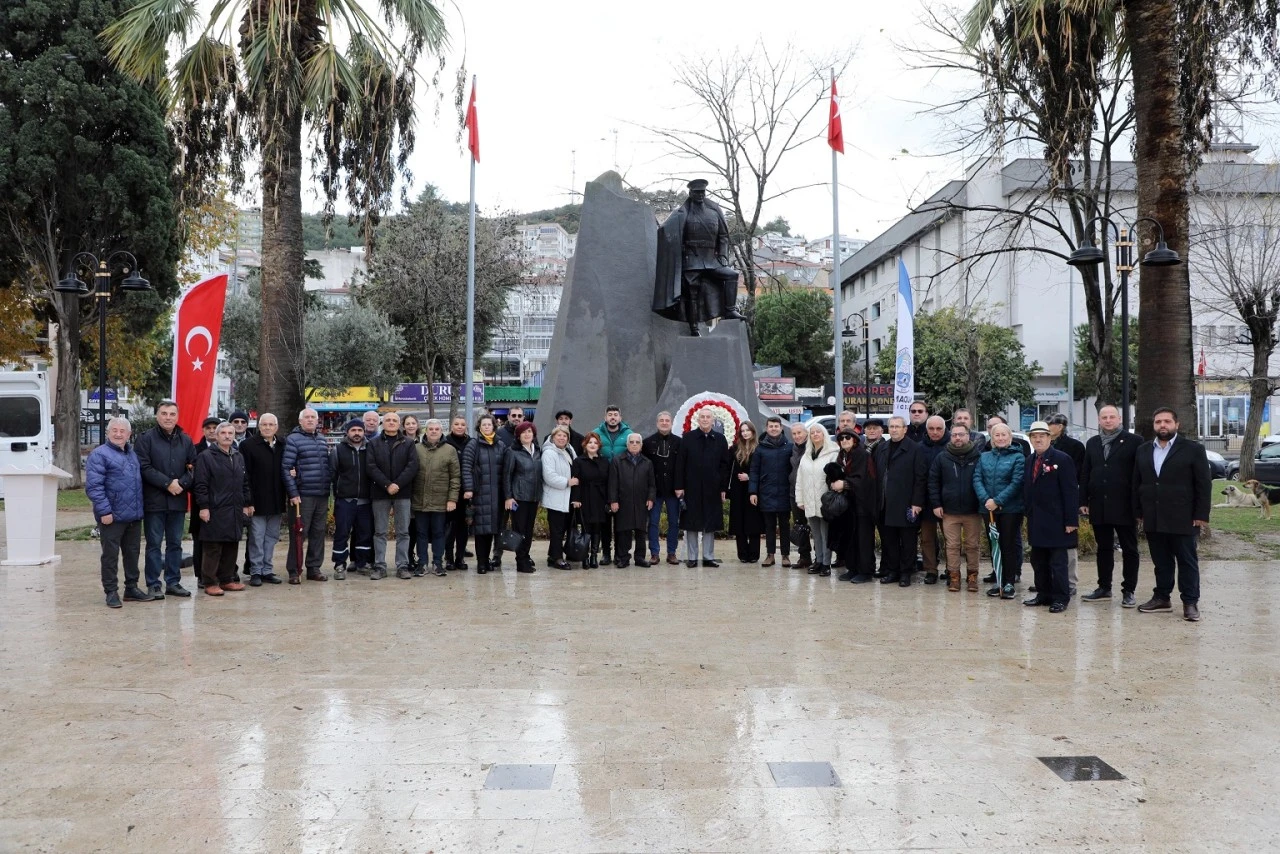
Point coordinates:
[(811, 483)]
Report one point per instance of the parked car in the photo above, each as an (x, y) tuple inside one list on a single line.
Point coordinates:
[(1266, 463), (1217, 464)]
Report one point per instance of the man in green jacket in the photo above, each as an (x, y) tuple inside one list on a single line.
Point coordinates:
[(435, 495), (613, 432)]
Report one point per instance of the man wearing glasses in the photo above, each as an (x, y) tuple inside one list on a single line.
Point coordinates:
[(240, 423), (916, 430)]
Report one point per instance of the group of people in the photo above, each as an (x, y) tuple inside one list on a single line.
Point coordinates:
[(927, 491)]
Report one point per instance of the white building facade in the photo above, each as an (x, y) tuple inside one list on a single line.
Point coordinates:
[(949, 246)]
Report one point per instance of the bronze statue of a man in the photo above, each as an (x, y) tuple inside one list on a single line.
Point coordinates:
[(695, 282)]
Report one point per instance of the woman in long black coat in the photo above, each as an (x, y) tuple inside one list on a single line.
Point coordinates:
[(220, 487), (591, 496), (852, 461), (482, 467), (746, 520)]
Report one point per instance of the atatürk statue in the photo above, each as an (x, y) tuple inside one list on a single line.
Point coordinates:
[(695, 282)]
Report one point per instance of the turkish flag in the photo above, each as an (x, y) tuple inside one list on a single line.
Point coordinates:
[(1204, 365), (835, 130), (195, 350), (473, 125)]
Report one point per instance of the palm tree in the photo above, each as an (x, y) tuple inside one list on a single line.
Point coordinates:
[(1176, 50), (256, 77)]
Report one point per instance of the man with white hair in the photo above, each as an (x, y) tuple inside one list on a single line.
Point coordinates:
[(702, 479), (307, 478), (113, 482), (263, 455), (372, 421)]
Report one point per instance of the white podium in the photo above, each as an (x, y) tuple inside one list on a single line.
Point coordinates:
[(31, 513)]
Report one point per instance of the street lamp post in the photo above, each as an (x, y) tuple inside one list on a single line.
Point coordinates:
[(866, 355), (72, 283), (1090, 255)]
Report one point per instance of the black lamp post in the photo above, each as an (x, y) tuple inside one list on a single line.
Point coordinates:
[(72, 283), (1090, 255), (866, 355)]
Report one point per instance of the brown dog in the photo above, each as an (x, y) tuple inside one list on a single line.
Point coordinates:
[(1265, 495)]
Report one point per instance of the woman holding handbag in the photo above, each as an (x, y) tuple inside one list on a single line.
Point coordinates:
[(557, 483), (811, 483), (522, 477), (590, 497)]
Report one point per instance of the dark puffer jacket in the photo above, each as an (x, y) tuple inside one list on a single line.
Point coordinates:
[(221, 488), (459, 444), (951, 482), (165, 457), (999, 477), (522, 474), (391, 459), (307, 454), (482, 464), (350, 480), (113, 482), (771, 474)]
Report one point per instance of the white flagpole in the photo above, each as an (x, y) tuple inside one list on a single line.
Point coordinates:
[(904, 378), (471, 290), (835, 272)]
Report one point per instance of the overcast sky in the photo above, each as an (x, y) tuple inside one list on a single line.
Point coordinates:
[(564, 88)]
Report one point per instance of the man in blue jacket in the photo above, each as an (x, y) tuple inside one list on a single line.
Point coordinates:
[(166, 457), (307, 479), (113, 482), (1051, 492)]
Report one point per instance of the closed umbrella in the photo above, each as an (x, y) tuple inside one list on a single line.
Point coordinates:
[(995, 550)]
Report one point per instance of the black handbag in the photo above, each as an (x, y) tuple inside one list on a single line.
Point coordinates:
[(834, 505), (800, 534), (511, 539), (578, 544)]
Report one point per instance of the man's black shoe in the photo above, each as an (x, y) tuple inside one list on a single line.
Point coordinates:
[(1096, 596), (861, 578), (156, 591), (255, 581), (889, 579), (846, 576), (1057, 607), (642, 563), (1036, 602), (713, 564), (134, 594), (177, 590), (692, 564), (271, 578), (989, 578), (931, 578), (113, 600)]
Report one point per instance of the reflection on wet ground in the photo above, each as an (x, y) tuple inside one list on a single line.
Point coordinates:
[(641, 710)]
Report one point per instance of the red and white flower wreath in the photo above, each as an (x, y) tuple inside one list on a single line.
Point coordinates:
[(729, 412)]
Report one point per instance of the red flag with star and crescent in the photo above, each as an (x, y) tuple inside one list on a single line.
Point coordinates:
[(195, 350), (473, 125), (835, 129), (1204, 365)]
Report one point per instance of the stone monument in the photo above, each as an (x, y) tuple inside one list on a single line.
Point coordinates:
[(610, 347)]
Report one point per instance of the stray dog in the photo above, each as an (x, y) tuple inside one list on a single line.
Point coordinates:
[(1237, 497), (1265, 495)]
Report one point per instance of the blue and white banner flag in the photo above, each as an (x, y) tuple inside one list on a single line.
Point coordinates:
[(904, 380)]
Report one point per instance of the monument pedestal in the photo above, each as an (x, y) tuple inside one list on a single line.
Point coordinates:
[(718, 362)]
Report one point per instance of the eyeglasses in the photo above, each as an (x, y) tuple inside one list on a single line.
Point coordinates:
[(917, 412)]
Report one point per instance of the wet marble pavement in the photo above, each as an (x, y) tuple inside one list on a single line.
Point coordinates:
[(653, 706)]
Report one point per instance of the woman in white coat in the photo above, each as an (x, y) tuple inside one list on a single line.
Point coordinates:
[(811, 482), (557, 482)]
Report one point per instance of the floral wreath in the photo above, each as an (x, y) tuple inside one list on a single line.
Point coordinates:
[(726, 410)]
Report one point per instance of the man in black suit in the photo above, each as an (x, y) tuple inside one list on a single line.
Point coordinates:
[(904, 481), (1171, 497), (1051, 493), (1106, 497), (1060, 440)]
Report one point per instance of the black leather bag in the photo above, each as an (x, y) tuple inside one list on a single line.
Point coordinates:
[(834, 505), (578, 544), (800, 534), (511, 539)]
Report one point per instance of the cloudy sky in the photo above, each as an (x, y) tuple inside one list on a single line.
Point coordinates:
[(566, 88)]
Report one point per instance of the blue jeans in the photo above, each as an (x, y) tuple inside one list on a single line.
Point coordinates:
[(431, 529), (673, 523), (164, 527), (352, 532)]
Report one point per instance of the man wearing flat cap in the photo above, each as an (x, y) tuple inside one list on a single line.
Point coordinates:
[(695, 282)]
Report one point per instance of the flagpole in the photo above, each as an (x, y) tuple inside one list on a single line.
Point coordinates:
[(471, 290), (835, 272)]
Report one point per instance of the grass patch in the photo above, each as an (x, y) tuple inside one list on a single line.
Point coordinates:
[(1247, 521), (80, 533)]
